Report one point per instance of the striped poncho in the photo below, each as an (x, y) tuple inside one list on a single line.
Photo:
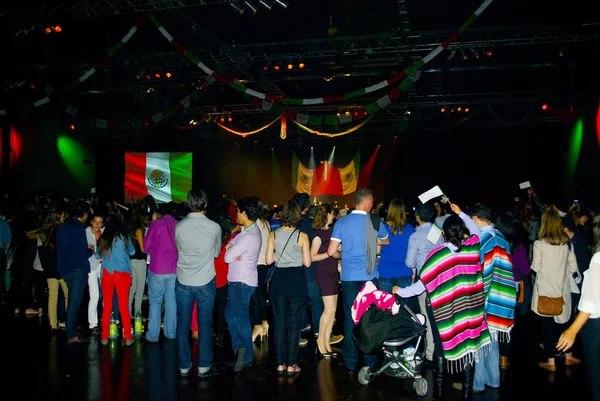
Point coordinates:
[(498, 283), (455, 286)]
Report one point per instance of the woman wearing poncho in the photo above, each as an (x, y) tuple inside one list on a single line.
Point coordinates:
[(452, 277)]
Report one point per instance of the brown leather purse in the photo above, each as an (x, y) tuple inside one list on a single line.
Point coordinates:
[(550, 306)]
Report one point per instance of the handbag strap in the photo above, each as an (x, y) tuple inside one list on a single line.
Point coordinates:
[(283, 250)]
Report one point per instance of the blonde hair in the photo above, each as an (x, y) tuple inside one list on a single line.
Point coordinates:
[(552, 230), (320, 219), (396, 216)]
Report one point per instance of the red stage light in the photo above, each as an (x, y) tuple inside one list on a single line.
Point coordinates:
[(544, 107), (72, 127), (146, 124), (222, 119), (467, 110), (459, 109), (276, 68), (301, 65), (265, 68), (48, 31), (290, 66), (58, 29), (32, 87), (157, 75), (148, 77), (229, 119), (443, 110), (489, 53), (168, 75)]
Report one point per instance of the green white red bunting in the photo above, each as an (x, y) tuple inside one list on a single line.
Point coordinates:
[(321, 100), (110, 52)]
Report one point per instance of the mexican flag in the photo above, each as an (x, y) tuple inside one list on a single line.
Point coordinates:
[(326, 179), (165, 176)]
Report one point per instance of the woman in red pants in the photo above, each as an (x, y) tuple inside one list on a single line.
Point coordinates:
[(114, 248)]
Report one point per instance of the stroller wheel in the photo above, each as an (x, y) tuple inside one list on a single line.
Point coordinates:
[(420, 386), (364, 375)]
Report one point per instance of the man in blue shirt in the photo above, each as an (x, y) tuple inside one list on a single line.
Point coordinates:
[(5, 239), (73, 253), (351, 233), (418, 249)]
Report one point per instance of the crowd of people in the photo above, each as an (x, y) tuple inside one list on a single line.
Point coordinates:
[(249, 265)]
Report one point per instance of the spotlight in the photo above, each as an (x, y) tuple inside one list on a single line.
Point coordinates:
[(346, 113), (459, 109), (229, 119), (290, 66), (168, 75), (222, 119), (193, 122), (489, 53), (31, 86), (236, 8), (250, 6), (451, 55), (282, 4), (301, 65), (561, 53), (407, 112), (443, 110), (265, 4), (463, 54), (266, 68), (544, 107), (58, 29), (467, 110), (148, 77), (48, 31), (157, 75), (277, 67), (72, 127)]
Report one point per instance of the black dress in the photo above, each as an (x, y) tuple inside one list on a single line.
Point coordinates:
[(327, 276)]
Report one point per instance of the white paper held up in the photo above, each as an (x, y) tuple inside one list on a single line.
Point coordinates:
[(525, 185), (434, 234), (432, 193)]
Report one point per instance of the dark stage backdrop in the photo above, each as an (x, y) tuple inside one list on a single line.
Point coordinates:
[(469, 164)]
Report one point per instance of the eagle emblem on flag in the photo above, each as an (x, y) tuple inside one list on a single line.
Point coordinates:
[(158, 179)]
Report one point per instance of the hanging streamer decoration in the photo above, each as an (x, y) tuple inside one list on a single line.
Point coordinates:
[(330, 99), (283, 133), (333, 135), (109, 53), (245, 134)]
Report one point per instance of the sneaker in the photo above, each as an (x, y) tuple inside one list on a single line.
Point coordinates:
[(306, 329), (104, 342), (77, 340), (185, 372), (336, 339), (128, 342), (303, 342), (211, 372)]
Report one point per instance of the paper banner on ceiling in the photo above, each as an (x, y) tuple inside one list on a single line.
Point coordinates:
[(329, 99), (326, 179)]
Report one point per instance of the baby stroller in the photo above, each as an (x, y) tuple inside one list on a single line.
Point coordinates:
[(398, 337)]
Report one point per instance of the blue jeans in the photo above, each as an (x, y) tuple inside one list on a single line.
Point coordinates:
[(161, 286), (316, 302), (350, 290), (386, 284), (487, 371), (76, 282), (205, 302), (237, 315)]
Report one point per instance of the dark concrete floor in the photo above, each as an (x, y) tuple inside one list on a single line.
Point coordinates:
[(40, 366)]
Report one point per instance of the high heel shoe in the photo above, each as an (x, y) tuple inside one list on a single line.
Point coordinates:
[(321, 355), (258, 331), (265, 329)]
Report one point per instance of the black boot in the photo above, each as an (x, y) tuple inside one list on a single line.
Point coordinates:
[(469, 372), (439, 365)]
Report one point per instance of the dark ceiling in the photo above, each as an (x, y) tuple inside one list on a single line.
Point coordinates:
[(538, 54)]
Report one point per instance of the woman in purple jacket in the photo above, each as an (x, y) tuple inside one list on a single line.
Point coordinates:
[(160, 244)]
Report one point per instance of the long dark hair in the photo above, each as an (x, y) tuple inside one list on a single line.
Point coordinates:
[(262, 212), (455, 231), (113, 230), (506, 225), (137, 221)]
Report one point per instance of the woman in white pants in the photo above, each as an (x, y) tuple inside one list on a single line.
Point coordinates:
[(93, 233)]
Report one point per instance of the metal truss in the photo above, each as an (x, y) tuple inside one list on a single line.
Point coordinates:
[(243, 68), (84, 9), (369, 49)]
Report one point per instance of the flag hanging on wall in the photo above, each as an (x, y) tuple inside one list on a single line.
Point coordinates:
[(165, 176), (325, 179)]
